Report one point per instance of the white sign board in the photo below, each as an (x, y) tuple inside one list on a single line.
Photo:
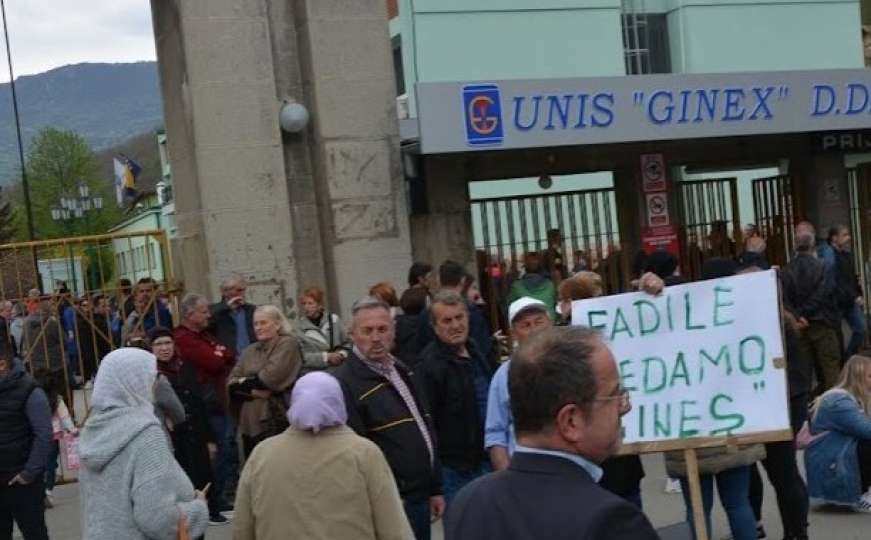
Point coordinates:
[(703, 360), (468, 116)]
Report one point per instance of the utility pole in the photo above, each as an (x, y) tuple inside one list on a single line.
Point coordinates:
[(25, 186), (24, 183)]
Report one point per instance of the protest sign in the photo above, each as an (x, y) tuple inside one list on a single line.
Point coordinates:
[(703, 363)]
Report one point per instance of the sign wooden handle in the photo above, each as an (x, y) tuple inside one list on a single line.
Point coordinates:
[(696, 494)]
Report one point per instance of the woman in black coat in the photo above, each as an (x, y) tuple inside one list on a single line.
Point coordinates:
[(191, 438)]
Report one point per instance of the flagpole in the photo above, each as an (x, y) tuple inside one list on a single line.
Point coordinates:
[(25, 185)]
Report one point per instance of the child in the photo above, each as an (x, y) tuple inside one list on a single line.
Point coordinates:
[(61, 423)]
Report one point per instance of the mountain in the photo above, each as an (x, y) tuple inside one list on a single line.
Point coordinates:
[(105, 103)]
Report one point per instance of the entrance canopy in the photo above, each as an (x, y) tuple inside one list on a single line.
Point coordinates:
[(517, 114)]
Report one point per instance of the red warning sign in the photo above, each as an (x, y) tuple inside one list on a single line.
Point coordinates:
[(660, 239), (657, 209), (652, 173)]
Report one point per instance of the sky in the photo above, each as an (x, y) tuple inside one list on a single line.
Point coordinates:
[(46, 34)]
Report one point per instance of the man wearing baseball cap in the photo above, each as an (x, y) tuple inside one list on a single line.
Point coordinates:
[(528, 316)]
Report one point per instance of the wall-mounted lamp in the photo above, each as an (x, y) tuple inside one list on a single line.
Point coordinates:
[(293, 117)]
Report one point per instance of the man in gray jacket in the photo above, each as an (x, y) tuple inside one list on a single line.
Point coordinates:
[(25, 437)]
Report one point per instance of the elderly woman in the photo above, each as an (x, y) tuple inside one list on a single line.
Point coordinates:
[(131, 486), (264, 372), (190, 432), (325, 342), (838, 460), (318, 480)]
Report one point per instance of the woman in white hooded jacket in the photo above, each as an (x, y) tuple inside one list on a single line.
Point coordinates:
[(131, 486)]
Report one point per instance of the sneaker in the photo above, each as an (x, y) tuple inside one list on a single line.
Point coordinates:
[(218, 519), (228, 514), (864, 504), (672, 485)]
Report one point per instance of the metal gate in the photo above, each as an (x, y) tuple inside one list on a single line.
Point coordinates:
[(711, 223), (859, 185), (777, 208), (66, 303), (506, 229)]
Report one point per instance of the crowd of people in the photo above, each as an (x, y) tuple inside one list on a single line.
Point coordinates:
[(414, 411)]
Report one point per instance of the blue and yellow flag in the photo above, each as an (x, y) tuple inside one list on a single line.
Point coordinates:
[(126, 172)]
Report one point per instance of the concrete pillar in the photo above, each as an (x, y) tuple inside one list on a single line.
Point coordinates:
[(823, 189), (445, 231), (219, 96), (347, 67), (630, 207), (324, 207)]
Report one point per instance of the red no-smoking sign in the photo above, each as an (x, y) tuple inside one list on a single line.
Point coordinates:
[(657, 209)]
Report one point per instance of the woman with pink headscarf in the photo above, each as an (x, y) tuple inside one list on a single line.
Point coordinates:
[(318, 480)]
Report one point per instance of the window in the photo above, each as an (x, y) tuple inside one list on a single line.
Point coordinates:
[(645, 42), (398, 69)]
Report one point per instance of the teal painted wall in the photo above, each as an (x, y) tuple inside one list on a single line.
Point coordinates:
[(456, 40), (448, 40), (718, 37)]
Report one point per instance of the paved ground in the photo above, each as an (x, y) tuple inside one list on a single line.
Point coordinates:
[(662, 509)]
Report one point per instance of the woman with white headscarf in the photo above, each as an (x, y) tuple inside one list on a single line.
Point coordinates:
[(131, 486), (318, 480)]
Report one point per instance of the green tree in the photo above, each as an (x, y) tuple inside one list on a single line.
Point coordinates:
[(57, 161)]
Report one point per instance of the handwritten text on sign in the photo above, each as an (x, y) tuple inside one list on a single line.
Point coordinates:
[(699, 360)]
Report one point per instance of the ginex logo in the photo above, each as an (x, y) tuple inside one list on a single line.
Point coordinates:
[(482, 106)]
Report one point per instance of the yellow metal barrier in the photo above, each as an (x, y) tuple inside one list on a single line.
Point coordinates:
[(67, 303)]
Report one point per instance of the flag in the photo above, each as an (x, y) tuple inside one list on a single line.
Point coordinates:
[(120, 172), (126, 172)]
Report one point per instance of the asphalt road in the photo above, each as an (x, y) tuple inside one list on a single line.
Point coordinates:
[(662, 509)]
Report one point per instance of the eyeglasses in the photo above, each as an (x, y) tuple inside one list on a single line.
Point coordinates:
[(622, 395)]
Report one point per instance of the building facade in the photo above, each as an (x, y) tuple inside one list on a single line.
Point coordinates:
[(484, 40), (487, 202)]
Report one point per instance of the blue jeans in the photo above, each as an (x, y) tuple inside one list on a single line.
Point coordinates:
[(227, 458), (454, 480), (733, 486), (418, 516), (858, 327)]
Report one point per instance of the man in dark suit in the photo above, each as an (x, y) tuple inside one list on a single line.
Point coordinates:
[(567, 402), (232, 321)]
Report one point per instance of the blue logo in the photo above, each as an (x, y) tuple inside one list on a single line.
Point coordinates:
[(482, 108)]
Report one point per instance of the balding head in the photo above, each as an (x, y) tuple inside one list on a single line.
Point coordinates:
[(805, 228), (232, 287), (805, 242)]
